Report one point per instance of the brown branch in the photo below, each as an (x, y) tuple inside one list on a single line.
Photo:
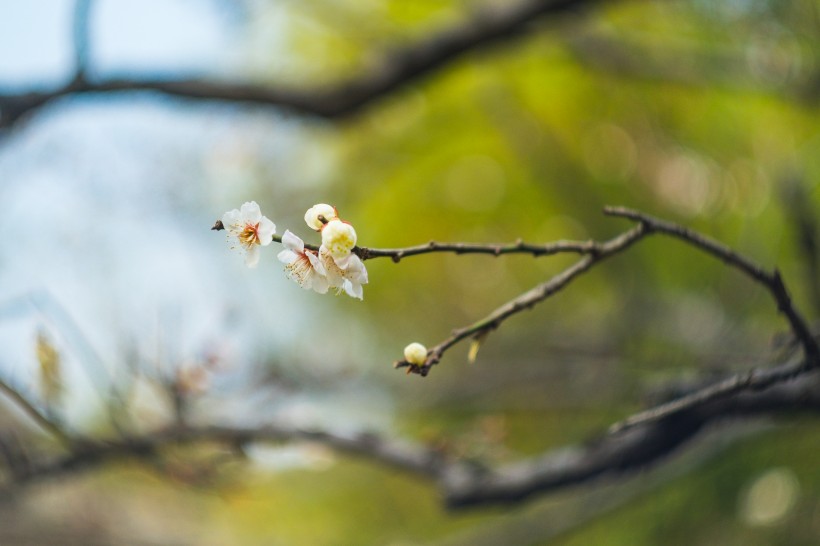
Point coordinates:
[(771, 280), (494, 249), (595, 253), (404, 67)]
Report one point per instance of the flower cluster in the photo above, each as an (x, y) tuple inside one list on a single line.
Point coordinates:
[(332, 265)]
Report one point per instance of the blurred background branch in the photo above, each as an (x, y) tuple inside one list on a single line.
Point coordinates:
[(399, 69)]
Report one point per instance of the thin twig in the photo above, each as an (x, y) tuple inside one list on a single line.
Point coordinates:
[(494, 249), (36, 415), (771, 280), (596, 252)]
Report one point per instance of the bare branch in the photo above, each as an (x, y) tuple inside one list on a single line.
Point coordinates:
[(771, 280), (402, 68), (464, 483), (393, 453), (495, 249), (596, 252), (754, 380), (629, 450)]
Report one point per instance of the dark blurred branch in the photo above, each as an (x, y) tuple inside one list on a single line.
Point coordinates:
[(628, 450), (403, 67), (692, 66), (755, 380), (801, 214), (463, 483), (392, 453), (30, 409)]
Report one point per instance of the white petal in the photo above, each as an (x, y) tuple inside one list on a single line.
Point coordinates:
[(316, 263), (265, 231), (232, 218), (320, 284), (250, 212), (356, 270), (252, 256), (287, 256), (293, 242), (354, 290), (343, 261)]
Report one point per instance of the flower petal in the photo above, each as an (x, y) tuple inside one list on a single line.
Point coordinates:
[(293, 242), (231, 220), (252, 256), (320, 284), (354, 290), (287, 256), (250, 212), (316, 263), (343, 261), (265, 231)]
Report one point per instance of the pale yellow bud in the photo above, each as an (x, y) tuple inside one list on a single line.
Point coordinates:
[(338, 238), (317, 213), (415, 353)]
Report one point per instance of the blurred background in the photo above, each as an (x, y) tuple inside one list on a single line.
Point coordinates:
[(112, 287)]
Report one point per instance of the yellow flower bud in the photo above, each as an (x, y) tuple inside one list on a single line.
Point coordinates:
[(338, 239), (415, 353), (319, 215)]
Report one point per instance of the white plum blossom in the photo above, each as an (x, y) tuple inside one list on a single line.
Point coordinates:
[(319, 215), (350, 279), (338, 240), (250, 228), (303, 265), (415, 353)]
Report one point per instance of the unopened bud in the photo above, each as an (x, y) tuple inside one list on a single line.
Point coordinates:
[(338, 238), (415, 353), (319, 215)]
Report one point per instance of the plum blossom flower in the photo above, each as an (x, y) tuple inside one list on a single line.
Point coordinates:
[(250, 228), (415, 353), (302, 265), (350, 279), (338, 240), (319, 215)]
